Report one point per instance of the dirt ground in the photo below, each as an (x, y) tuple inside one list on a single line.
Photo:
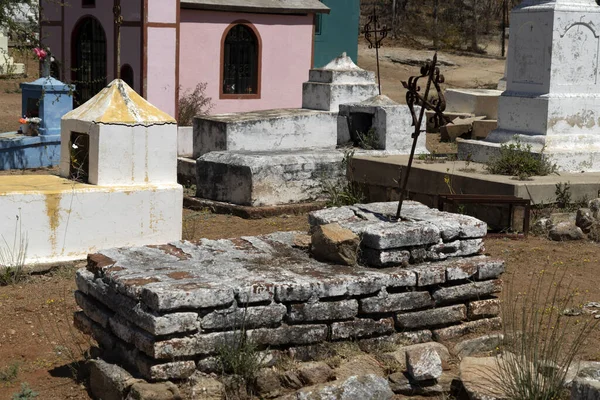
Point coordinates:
[(38, 344)]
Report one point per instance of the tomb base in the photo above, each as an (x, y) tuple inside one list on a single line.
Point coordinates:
[(480, 102), (266, 178), (67, 220), (165, 311), (20, 152), (566, 160)]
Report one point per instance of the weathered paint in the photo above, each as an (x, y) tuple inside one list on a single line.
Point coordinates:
[(338, 32), (119, 104), (69, 223), (286, 57)]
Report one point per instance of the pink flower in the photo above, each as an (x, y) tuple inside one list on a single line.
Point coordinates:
[(40, 53)]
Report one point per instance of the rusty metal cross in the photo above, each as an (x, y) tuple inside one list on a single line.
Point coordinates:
[(374, 34)]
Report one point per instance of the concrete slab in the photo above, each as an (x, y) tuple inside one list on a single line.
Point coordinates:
[(381, 174)]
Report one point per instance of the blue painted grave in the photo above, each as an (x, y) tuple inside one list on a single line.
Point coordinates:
[(48, 99)]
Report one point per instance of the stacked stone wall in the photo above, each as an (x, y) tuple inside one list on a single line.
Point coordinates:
[(166, 311)]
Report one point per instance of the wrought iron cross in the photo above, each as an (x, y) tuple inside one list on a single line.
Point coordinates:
[(414, 98), (118, 23), (374, 34)]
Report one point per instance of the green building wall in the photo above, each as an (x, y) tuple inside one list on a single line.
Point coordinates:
[(337, 32)]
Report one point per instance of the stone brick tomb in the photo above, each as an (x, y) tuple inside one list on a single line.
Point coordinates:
[(164, 311)]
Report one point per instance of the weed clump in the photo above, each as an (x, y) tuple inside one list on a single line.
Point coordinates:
[(541, 341), (192, 103), (26, 393), (516, 159), (343, 191)]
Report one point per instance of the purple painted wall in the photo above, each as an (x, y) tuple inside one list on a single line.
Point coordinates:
[(286, 57)]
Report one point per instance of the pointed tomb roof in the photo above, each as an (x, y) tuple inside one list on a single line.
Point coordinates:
[(119, 104)]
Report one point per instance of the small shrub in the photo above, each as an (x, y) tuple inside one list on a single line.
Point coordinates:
[(538, 334), (192, 103), (563, 194), (26, 393), (10, 373), (368, 140), (240, 360), (516, 159), (12, 257), (342, 191)]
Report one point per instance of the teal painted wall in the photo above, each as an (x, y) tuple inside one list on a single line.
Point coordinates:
[(337, 32)]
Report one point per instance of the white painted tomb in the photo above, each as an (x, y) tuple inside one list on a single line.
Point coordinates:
[(479, 102), (339, 82), (552, 99), (392, 124), (117, 184), (7, 63)]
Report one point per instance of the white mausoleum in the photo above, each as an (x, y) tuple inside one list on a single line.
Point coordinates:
[(117, 186)]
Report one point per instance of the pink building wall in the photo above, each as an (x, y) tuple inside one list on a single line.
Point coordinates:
[(287, 42), (58, 24)]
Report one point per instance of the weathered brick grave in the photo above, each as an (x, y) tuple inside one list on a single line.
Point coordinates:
[(164, 311)]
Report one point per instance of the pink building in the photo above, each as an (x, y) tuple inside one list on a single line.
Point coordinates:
[(253, 54)]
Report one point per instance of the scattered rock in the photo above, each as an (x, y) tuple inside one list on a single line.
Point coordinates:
[(290, 379), (584, 219), (586, 385), (364, 387), (440, 349), (333, 243), (594, 206), (400, 383), (268, 383), (109, 381), (302, 241), (565, 231), (206, 387), (424, 364), (314, 373), (478, 345), (478, 376), (154, 391)]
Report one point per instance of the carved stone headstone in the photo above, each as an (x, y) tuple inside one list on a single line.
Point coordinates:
[(552, 98)]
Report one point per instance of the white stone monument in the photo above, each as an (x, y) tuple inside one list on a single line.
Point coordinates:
[(7, 64), (552, 99)]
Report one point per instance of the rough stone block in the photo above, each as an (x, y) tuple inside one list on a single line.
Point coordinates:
[(361, 327), (483, 325), (250, 317), (468, 291), (154, 391), (331, 215), (402, 384), (483, 309), (304, 291), (374, 282), (384, 258), (430, 275), (461, 270), (362, 387), (93, 310), (384, 236), (187, 296), (133, 310), (458, 248), (585, 389), (431, 318), (477, 345), (395, 302), (109, 381), (323, 311), (286, 335), (333, 243), (490, 269), (89, 327), (423, 363)]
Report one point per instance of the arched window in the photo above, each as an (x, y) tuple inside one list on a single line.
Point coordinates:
[(241, 62), (89, 59), (127, 75)]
